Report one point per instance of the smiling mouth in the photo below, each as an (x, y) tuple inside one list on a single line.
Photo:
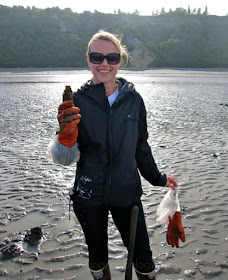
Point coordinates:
[(104, 71)]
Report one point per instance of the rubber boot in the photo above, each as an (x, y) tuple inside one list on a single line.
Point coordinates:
[(146, 276), (102, 274)]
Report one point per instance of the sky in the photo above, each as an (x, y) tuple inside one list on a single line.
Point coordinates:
[(145, 7)]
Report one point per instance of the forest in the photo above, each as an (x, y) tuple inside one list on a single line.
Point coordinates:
[(32, 37)]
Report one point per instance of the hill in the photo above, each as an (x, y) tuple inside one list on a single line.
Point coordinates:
[(32, 37)]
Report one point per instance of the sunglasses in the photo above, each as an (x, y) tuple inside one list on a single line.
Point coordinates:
[(98, 58)]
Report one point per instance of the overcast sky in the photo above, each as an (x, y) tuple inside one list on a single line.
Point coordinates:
[(145, 7)]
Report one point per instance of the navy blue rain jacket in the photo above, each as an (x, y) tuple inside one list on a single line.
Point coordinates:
[(113, 146)]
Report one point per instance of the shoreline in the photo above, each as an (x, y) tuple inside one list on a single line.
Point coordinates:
[(124, 70)]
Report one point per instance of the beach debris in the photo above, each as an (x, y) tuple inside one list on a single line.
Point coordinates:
[(34, 236), (3, 272), (10, 250), (168, 255), (201, 251), (189, 272), (13, 245), (216, 154)]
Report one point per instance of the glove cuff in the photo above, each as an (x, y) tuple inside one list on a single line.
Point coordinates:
[(68, 140)]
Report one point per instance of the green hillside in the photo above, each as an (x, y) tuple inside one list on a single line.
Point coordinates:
[(31, 37)]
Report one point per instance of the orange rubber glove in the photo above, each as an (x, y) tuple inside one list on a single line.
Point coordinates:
[(175, 230), (69, 118)]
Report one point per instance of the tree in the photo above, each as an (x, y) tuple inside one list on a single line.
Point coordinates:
[(206, 11), (136, 12), (189, 10)]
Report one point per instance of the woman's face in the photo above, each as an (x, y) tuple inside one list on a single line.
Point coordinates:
[(104, 72)]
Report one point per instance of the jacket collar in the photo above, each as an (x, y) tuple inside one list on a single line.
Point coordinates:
[(97, 92)]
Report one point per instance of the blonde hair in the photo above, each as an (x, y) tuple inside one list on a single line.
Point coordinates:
[(115, 39)]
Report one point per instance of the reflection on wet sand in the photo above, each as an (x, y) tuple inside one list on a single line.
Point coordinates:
[(188, 134)]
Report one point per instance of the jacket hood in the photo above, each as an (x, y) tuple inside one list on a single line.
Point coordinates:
[(124, 87)]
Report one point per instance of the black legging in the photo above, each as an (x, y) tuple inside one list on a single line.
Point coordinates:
[(94, 222)]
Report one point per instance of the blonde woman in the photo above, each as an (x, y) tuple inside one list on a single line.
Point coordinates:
[(108, 139)]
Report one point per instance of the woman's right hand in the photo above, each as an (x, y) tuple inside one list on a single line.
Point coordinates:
[(69, 118)]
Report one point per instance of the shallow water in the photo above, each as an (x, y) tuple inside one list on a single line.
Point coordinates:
[(188, 127)]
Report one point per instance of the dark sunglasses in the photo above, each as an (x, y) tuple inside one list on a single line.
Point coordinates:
[(98, 58)]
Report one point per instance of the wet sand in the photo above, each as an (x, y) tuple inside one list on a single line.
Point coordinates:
[(188, 127)]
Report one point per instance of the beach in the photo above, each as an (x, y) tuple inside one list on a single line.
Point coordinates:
[(187, 112)]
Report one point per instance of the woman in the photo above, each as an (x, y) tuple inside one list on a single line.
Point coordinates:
[(108, 139)]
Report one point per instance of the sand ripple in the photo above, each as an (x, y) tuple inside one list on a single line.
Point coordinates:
[(188, 133)]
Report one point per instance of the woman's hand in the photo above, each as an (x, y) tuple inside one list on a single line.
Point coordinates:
[(171, 182), (69, 118)]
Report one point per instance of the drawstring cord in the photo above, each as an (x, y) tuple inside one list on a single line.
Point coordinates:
[(69, 207), (71, 192)]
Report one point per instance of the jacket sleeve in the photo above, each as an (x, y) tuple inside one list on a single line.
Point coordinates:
[(145, 161), (61, 154)]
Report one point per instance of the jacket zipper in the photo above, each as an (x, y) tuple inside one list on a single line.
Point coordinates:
[(110, 154)]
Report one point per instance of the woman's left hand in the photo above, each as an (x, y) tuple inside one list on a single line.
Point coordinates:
[(171, 182)]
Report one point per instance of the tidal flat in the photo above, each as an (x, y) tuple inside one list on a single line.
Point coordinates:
[(187, 112)]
